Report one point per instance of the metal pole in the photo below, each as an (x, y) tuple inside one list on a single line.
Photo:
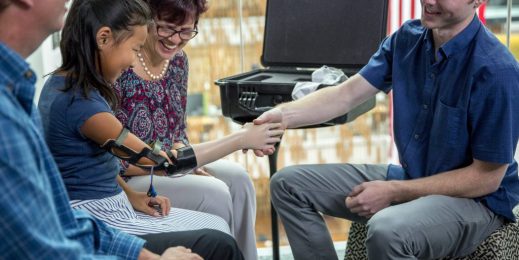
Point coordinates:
[(273, 159), (242, 43), (508, 22)]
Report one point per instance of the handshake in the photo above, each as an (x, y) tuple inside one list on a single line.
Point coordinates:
[(263, 133)]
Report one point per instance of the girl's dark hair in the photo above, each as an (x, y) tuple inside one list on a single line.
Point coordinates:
[(4, 4), (79, 49), (177, 11)]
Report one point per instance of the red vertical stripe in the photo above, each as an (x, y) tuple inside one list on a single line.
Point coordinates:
[(400, 12), (481, 14), (389, 16), (413, 5)]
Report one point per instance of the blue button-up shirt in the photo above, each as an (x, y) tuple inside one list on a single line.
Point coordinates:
[(452, 105), (36, 220)]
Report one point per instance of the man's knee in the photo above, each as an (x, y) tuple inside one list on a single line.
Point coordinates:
[(279, 181), (282, 184), (221, 239), (220, 245), (386, 228), (208, 243)]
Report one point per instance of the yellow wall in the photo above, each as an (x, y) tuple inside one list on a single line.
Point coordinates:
[(514, 43)]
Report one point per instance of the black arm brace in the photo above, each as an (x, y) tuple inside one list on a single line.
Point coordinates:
[(183, 163)]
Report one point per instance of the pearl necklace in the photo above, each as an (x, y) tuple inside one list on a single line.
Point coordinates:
[(153, 76)]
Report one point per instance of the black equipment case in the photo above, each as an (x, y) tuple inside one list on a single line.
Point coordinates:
[(300, 36)]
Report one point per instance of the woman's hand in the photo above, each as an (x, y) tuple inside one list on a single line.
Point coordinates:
[(178, 145), (262, 136), (202, 171), (152, 206)]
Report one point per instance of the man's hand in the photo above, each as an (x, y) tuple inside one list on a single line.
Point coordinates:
[(141, 202), (272, 116), (369, 198), (179, 253)]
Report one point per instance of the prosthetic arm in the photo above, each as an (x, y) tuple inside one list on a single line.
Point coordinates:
[(184, 162)]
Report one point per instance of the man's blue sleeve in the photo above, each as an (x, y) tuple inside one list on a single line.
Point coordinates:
[(378, 71), (111, 241), (493, 111), (36, 221)]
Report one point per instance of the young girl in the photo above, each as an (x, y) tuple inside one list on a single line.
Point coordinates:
[(101, 40)]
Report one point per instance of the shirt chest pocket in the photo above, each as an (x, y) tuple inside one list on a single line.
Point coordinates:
[(449, 126)]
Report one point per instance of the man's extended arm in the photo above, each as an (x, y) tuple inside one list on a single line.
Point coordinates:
[(323, 105), (320, 106)]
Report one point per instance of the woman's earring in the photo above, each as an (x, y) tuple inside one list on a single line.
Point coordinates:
[(101, 43)]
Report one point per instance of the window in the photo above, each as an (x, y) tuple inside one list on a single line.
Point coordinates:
[(496, 14)]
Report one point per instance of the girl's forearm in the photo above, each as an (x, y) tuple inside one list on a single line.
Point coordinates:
[(213, 150), (133, 170)]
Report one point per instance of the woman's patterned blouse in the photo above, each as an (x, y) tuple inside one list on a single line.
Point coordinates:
[(155, 109)]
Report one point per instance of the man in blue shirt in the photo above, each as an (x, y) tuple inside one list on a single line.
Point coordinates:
[(36, 220), (456, 125)]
